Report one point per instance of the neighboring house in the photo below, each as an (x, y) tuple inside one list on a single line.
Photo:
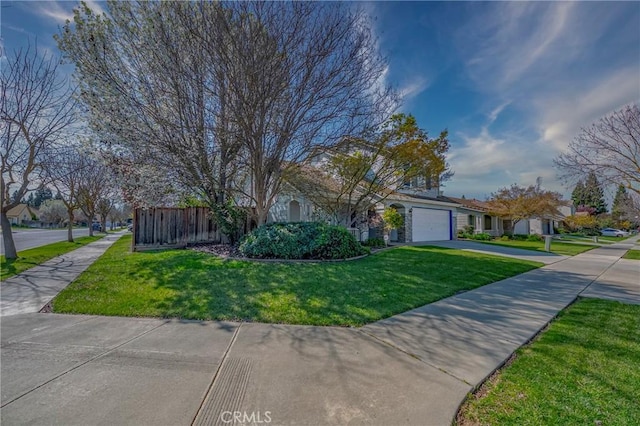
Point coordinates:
[(545, 225), (475, 213), (21, 214)]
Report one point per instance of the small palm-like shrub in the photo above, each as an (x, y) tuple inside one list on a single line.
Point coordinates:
[(300, 240)]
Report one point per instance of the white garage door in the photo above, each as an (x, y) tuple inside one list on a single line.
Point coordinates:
[(431, 225)]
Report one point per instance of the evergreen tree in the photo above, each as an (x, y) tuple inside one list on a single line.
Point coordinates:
[(577, 196), (43, 194), (14, 196), (594, 194), (620, 203)]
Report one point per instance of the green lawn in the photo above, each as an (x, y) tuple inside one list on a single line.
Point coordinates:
[(569, 249), (582, 371), (35, 256), (188, 284), (632, 254)]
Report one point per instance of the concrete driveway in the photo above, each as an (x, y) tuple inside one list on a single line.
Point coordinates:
[(536, 256)]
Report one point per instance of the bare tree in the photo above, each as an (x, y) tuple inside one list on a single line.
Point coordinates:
[(609, 148), (225, 97), (65, 170), (53, 211), (144, 80), (303, 75), (93, 188), (36, 110)]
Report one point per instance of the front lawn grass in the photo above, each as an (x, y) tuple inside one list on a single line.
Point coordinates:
[(189, 284), (632, 254), (35, 256), (568, 249), (582, 371)]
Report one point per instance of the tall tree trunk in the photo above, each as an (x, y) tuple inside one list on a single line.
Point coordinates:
[(7, 237), (70, 226)]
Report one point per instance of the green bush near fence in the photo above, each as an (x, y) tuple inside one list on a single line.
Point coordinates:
[(302, 240)]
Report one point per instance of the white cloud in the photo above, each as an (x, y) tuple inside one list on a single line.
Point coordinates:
[(58, 11), (563, 115), (480, 155), (486, 162), (61, 11), (414, 87), (547, 62), (493, 115)]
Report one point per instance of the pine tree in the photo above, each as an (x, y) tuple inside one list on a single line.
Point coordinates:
[(43, 194), (594, 194), (577, 196), (620, 203), (14, 196)]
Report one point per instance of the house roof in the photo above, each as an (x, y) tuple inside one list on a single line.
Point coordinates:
[(471, 204), (15, 212), (420, 198)]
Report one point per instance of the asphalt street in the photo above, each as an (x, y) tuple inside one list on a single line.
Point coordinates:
[(30, 238)]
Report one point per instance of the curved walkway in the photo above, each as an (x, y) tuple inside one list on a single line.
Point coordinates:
[(413, 368)]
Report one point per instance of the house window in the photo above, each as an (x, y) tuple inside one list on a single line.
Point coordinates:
[(471, 220), (487, 222), (427, 182), (294, 211)]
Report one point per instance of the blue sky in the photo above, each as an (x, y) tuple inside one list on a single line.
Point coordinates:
[(512, 81)]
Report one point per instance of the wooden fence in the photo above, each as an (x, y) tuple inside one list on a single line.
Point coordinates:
[(156, 228)]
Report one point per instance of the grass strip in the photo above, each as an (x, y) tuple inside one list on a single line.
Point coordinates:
[(583, 370)]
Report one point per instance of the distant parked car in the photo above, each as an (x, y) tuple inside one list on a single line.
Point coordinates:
[(96, 227), (611, 232), (130, 227)]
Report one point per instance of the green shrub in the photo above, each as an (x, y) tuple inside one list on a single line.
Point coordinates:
[(505, 238), (302, 240), (481, 237), (535, 237), (374, 242), (466, 232), (519, 237)]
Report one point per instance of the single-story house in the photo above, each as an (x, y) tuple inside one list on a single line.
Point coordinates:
[(545, 225), (21, 213), (475, 213)]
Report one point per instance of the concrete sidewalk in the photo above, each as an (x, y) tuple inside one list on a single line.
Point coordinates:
[(30, 290), (413, 368)]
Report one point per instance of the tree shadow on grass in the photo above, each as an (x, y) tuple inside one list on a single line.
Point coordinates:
[(344, 293)]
